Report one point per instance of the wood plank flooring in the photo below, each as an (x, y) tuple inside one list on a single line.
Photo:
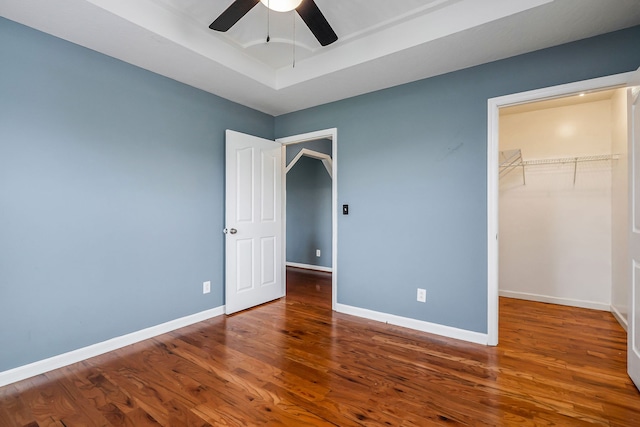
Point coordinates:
[(293, 362)]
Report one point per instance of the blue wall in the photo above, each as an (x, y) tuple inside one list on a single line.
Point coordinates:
[(412, 167), (309, 213), (112, 189), (111, 196)]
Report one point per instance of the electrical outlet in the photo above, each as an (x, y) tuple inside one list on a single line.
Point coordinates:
[(317, 252), (206, 287), (422, 295)]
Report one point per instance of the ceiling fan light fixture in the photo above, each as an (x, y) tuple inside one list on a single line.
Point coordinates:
[(307, 11), (281, 5)]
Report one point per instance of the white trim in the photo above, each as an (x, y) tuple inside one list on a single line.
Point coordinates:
[(309, 136), (40, 367), (493, 105), (309, 267), (556, 300), (492, 225), (334, 217), (419, 325), (331, 134), (324, 158), (620, 318)]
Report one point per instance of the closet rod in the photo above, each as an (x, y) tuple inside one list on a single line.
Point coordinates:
[(513, 159)]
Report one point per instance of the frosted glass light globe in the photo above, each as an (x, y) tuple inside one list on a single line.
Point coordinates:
[(281, 5)]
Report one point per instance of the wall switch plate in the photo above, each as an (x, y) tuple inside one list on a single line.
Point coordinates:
[(422, 295), (206, 287), (345, 209), (317, 252)]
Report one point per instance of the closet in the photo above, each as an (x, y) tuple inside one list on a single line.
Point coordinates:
[(562, 210)]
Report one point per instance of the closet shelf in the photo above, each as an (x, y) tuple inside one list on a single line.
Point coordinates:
[(512, 159), (563, 160)]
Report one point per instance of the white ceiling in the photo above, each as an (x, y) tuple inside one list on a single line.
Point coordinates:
[(564, 101), (381, 43)]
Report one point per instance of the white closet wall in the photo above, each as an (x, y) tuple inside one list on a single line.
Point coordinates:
[(556, 230)]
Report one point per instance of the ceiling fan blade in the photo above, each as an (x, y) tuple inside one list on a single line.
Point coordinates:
[(232, 14), (317, 23)]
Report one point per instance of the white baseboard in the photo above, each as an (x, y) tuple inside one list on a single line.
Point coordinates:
[(556, 300), (620, 318), (310, 267), (420, 325), (55, 362)]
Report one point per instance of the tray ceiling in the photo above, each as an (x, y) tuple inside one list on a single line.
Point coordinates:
[(381, 43)]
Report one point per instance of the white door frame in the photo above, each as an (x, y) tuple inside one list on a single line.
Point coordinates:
[(494, 104), (331, 134)]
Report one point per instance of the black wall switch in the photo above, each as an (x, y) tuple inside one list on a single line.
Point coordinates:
[(345, 209)]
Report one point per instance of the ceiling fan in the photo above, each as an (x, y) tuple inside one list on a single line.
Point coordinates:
[(307, 9)]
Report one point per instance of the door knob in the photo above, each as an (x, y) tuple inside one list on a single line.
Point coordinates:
[(230, 231)]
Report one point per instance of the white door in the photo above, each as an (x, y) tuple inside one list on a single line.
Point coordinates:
[(254, 227), (633, 346)]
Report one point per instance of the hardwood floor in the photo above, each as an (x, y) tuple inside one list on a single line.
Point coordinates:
[(293, 362)]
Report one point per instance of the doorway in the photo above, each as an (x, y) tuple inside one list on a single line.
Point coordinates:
[(255, 217), (332, 136), (493, 166), (563, 201), (308, 205)]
